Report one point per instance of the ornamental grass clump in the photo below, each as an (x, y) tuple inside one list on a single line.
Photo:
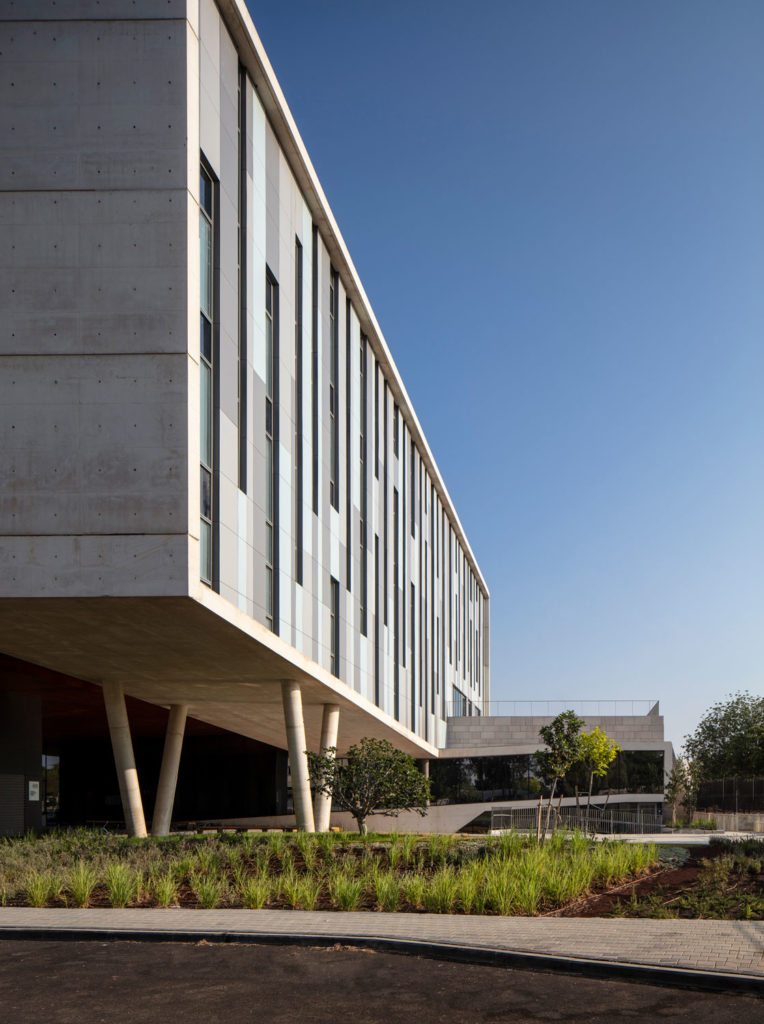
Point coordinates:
[(122, 883), (345, 891), (441, 891), (41, 886), (208, 891), (255, 891), (80, 884), (164, 889), (386, 890)]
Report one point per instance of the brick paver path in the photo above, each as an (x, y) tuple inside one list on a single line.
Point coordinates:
[(735, 947)]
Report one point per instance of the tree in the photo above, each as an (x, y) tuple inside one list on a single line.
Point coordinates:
[(373, 776), (563, 741), (597, 753), (730, 738), (682, 785)]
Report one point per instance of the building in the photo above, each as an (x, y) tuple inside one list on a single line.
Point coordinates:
[(222, 530), (218, 509)]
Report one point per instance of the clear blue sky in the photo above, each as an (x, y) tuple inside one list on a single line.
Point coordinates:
[(557, 210)]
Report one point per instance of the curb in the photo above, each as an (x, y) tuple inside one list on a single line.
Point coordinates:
[(652, 974)]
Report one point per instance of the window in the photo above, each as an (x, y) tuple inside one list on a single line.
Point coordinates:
[(206, 319), (413, 488), (385, 555), (376, 621), (271, 452), (314, 369), (242, 281), (334, 430), (413, 656), (299, 496), (396, 610), (335, 626), (364, 485), (396, 428), (376, 420), (348, 453)]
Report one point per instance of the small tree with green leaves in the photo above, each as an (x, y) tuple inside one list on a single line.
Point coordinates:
[(563, 742), (372, 777), (598, 752), (676, 786)]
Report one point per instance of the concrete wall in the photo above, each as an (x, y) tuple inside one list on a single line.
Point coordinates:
[(93, 476), (521, 733)]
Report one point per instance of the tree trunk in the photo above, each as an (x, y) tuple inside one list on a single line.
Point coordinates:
[(557, 811), (549, 808), (361, 825), (538, 820), (589, 799)]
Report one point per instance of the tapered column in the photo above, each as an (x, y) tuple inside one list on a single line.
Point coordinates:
[(322, 802), (168, 773), (291, 695), (122, 745)]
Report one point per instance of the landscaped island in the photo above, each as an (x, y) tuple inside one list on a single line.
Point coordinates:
[(508, 875)]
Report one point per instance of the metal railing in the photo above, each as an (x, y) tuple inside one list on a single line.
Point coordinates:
[(741, 793), (599, 821), (550, 708)]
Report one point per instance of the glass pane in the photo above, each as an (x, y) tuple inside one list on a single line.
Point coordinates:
[(268, 417), (269, 543), (205, 266), (269, 591), (269, 480), (205, 413), (205, 338), (205, 493), (205, 192), (269, 357), (205, 551)]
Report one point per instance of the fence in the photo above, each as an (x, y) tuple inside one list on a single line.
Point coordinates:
[(732, 795), (599, 820)]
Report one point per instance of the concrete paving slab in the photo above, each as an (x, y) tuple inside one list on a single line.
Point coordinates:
[(728, 951)]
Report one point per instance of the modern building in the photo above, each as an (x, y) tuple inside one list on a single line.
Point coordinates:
[(216, 498), (224, 538)]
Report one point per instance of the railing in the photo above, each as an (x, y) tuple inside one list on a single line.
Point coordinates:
[(600, 821), (550, 708)]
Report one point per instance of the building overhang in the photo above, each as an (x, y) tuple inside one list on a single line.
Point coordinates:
[(200, 651)]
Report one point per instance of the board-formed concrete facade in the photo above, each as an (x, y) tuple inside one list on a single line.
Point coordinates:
[(320, 546)]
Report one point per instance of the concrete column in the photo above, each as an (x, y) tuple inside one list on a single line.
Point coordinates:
[(425, 763), (322, 802), (122, 745), (168, 773), (291, 695)]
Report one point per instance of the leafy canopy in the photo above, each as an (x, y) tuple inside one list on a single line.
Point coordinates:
[(730, 738), (563, 740), (598, 751), (373, 776)]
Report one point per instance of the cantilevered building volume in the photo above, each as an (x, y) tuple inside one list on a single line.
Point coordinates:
[(217, 499), (224, 539)]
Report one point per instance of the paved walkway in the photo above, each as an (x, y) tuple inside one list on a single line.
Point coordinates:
[(725, 949)]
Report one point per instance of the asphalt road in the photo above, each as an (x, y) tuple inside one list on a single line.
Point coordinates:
[(89, 982)]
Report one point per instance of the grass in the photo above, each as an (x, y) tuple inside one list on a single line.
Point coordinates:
[(509, 874)]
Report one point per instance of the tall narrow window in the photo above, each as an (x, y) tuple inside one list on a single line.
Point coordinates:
[(377, 630), (376, 420), (335, 626), (298, 424), (348, 454), (396, 427), (364, 486), (404, 545), (334, 427), (384, 503), (206, 431), (413, 488), (314, 369), (396, 610), (450, 593), (413, 657), (271, 452), (242, 252)]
